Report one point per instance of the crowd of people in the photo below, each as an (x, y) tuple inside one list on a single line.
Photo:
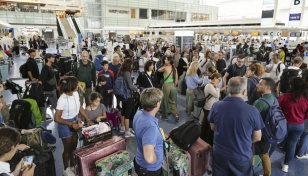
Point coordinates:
[(232, 117)]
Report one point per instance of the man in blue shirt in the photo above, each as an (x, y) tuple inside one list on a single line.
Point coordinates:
[(236, 126), (150, 151)]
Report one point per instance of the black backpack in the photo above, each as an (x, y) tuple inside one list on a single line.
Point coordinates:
[(200, 98), (186, 135), (21, 114), (23, 70), (35, 91), (287, 74)]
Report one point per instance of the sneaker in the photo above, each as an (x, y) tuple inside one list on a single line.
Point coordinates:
[(122, 129), (128, 134), (72, 169), (132, 131), (302, 157), (68, 172), (284, 167)]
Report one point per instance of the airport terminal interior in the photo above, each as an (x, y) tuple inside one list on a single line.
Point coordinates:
[(188, 31)]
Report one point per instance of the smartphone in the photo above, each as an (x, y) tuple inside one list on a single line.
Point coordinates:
[(26, 162)]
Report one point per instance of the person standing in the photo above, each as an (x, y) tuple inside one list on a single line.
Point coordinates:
[(150, 148), (32, 67), (169, 87), (107, 89), (192, 80), (147, 78), (68, 108), (115, 66), (143, 59), (294, 105), (235, 129), (265, 87), (127, 105), (85, 71), (30, 43), (233, 70), (48, 79), (177, 56), (276, 69), (221, 63)]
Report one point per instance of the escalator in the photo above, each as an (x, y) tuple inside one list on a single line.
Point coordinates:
[(76, 26), (60, 33)]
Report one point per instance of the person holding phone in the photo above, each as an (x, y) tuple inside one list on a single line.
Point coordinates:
[(68, 108), (10, 139)]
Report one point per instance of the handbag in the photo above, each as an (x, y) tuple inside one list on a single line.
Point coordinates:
[(52, 81)]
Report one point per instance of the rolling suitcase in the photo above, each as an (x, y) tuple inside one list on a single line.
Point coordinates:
[(179, 161), (85, 157), (116, 164), (200, 153)]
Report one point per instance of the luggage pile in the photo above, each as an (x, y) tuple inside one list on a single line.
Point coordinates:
[(187, 154), (108, 157)]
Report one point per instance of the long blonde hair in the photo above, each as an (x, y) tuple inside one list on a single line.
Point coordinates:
[(193, 68)]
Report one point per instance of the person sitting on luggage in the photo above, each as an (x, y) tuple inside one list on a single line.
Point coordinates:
[(108, 87), (68, 108), (150, 152), (147, 78), (96, 111), (10, 139), (192, 81)]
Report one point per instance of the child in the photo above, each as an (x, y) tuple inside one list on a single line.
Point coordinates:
[(109, 83), (96, 111), (68, 108), (103, 89)]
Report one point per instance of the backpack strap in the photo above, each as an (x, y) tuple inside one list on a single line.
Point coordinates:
[(266, 100), (278, 69)]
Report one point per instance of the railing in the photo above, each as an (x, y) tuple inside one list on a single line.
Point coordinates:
[(28, 18), (62, 28)]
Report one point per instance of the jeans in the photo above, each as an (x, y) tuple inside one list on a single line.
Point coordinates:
[(294, 132), (302, 148)]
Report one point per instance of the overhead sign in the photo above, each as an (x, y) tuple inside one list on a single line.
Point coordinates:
[(268, 10), (297, 3), (296, 9), (295, 34), (295, 17), (254, 33), (275, 33)]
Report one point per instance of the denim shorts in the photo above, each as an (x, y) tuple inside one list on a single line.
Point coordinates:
[(64, 130)]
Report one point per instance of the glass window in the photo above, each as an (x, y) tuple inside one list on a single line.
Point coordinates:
[(154, 14), (132, 13), (143, 13)]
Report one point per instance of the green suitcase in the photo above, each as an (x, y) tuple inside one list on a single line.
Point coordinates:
[(117, 164)]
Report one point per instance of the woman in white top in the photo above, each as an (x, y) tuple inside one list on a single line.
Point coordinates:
[(10, 139), (68, 108), (212, 94)]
